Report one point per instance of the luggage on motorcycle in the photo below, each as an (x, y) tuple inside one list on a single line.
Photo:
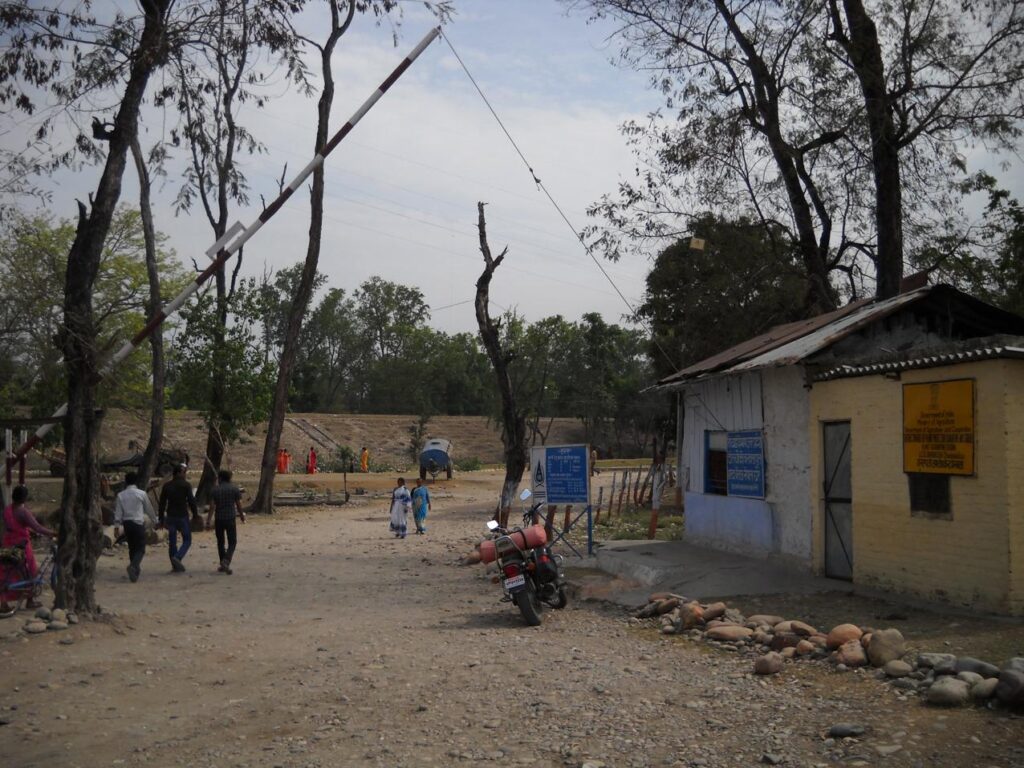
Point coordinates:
[(527, 538), (547, 568)]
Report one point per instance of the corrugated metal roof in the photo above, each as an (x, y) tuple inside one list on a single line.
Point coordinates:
[(795, 342), (776, 336), (822, 338), (988, 348)]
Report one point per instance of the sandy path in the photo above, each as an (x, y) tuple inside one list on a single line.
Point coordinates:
[(333, 644)]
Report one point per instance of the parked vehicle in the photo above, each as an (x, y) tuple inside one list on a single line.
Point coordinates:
[(436, 457), (531, 574)]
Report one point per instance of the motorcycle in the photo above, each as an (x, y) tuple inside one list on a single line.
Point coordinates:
[(531, 574)]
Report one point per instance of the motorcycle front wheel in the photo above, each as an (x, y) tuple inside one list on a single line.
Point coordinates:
[(561, 599), (529, 604)]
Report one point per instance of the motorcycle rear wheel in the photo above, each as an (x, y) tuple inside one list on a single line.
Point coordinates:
[(529, 604)]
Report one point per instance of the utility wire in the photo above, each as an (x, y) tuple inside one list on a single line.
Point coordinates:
[(540, 185)]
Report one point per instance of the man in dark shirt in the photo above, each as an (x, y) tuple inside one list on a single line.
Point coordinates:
[(176, 501), (225, 503)]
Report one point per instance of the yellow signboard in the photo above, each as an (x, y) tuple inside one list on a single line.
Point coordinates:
[(938, 427)]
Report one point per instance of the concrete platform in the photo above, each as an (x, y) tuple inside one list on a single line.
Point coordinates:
[(702, 573)]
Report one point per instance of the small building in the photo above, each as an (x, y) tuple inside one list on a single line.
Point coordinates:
[(760, 425)]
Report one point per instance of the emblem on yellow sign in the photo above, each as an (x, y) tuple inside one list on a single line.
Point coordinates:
[(938, 427)]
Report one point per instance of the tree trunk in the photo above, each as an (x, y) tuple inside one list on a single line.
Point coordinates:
[(866, 57), (151, 455), (286, 366), (764, 116), (80, 536), (513, 432)]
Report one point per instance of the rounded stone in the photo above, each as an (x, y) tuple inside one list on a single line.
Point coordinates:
[(842, 634), (948, 692), (885, 646), (43, 613), (763, 618), (897, 668), (985, 689), (1010, 688), (846, 730), (802, 628), (57, 625), (851, 654), (729, 633), (35, 627), (58, 614), (805, 648), (969, 677), (978, 667), (769, 664)]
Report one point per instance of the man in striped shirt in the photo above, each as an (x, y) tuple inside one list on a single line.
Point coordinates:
[(130, 512)]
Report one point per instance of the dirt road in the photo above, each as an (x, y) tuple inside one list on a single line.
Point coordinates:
[(334, 644)]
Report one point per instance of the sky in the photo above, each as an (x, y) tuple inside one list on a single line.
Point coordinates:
[(402, 189)]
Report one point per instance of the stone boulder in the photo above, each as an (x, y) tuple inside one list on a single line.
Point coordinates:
[(35, 627), (788, 653), (759, 619), (714, 611), (691, 614), (842, 634), (1016, 664), (784, 627), (983, 668), (805, 648), (769, 664), (897, 668), (886, 645), (851, 653), (948, 692), (1010, 689), (667, 605), (729, 633), (942, 663), (782, 640), (984, 690), (802, 629)]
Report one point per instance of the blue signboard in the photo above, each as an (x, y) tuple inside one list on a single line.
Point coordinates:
[(560, 474), (745, 464)]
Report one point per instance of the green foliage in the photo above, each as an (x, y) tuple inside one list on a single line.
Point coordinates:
[(418, 437), (339, 461), (197, 352), (635, 524), (699, 302), (469, 464), (33, 260)]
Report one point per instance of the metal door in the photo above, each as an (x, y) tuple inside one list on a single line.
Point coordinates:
[(838, 501)]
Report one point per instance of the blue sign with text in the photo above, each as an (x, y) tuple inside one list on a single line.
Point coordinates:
[(567, 474), (745, 464)]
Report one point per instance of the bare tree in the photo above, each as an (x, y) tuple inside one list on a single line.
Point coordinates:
[(513, 419), (151, 455), (340, 22)]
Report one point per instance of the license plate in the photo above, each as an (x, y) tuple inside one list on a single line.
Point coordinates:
[(515, 581)]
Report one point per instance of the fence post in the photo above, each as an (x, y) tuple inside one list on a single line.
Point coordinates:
[(600, 500)]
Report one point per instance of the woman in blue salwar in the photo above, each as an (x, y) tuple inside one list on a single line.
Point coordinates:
[(420, 505)]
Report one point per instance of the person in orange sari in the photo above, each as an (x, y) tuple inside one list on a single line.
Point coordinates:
[(364, 460), (311, 461)]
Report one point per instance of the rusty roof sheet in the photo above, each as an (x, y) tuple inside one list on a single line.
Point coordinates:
[(745, 350)]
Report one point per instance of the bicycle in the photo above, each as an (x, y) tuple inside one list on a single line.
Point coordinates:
[(14, 575)]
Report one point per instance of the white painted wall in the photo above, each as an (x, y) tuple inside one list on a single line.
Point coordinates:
[(728, 403), (786, 415), (775, 400)]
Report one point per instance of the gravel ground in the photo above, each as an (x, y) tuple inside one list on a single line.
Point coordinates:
[(334, 644)]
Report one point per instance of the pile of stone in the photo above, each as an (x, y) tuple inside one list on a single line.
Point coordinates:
[(942, 679), (46, 620)]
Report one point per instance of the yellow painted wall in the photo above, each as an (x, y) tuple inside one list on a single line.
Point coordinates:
[(976, 558)]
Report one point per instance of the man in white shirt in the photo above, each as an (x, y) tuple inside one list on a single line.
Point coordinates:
[(130, 511)]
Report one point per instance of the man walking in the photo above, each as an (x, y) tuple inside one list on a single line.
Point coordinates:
[(225, 503), (130, 512), (176, 501)]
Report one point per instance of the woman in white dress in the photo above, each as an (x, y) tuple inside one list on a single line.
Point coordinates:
[(401, 503)]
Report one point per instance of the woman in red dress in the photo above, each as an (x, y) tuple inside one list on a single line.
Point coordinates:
[(19, 524)]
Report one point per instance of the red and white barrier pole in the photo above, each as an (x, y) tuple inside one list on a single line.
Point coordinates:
[(224, 251)]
